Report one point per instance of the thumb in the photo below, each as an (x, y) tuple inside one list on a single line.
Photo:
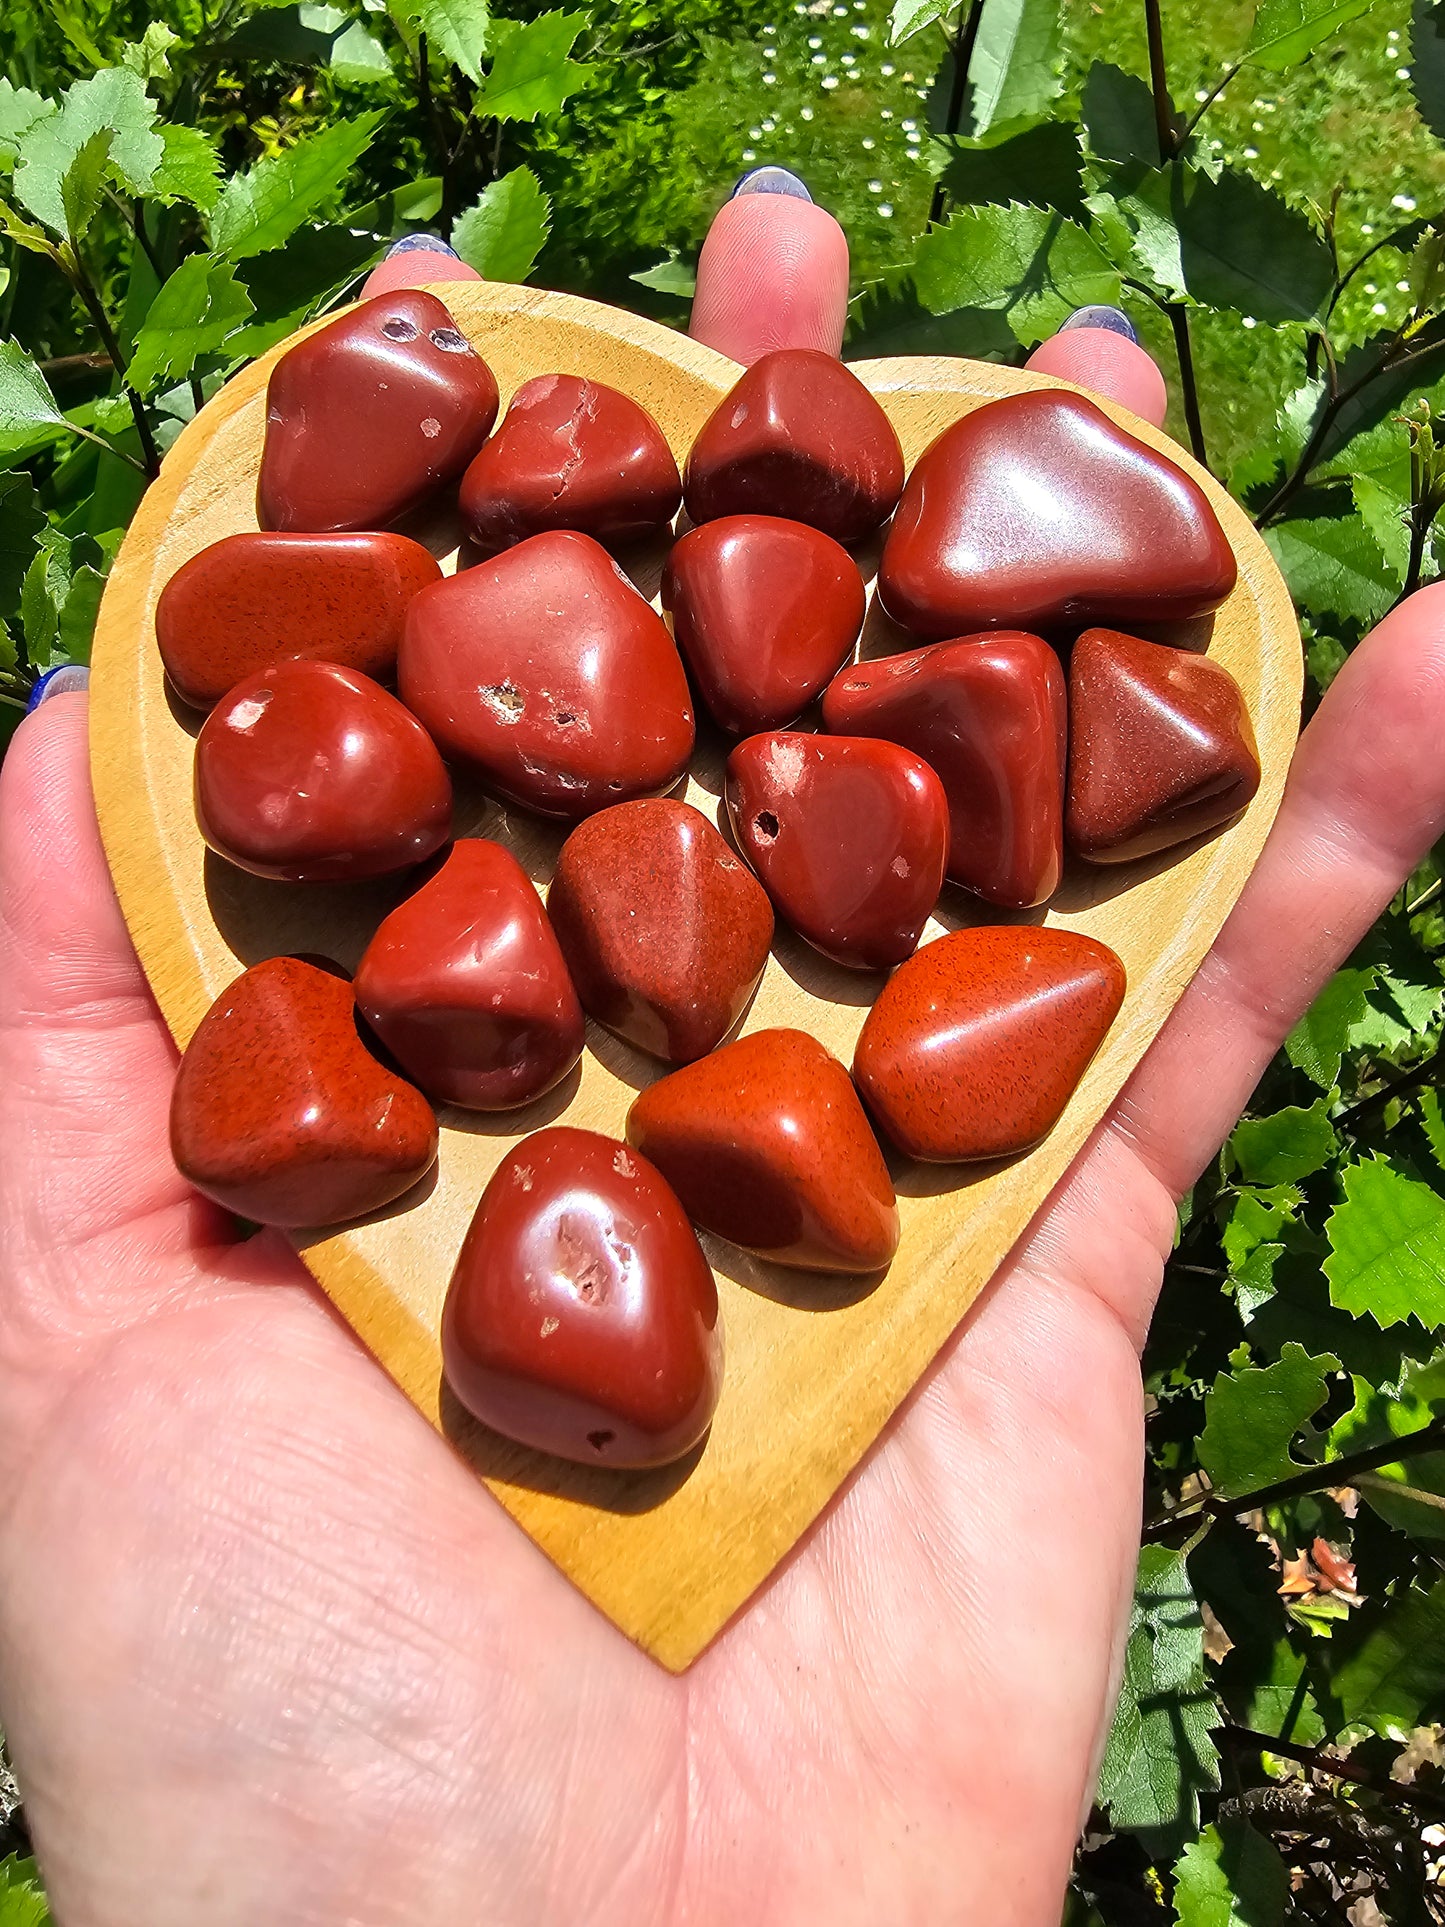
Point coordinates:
[(773, 272)]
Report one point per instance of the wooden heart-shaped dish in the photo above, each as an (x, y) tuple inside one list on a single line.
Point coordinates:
[(815, 1365)]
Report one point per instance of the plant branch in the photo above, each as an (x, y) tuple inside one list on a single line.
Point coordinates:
[(1164, 125), (1401, 1086), (1213, 95), (1188, 382), (1389, 359), (91, 301), (964, 41), (1308, 1756)]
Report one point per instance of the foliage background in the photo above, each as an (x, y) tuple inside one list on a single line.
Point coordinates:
[(219, 170)]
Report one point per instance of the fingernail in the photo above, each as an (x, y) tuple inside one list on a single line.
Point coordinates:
[(58, 682), (420, 244), (771, 180), (1113, 319)]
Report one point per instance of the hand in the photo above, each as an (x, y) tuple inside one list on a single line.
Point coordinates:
[(268, 1652)]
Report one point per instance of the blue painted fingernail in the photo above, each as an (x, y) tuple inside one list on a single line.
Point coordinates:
[(420, 244), (58, 682), (1113, 319), (771, 180)]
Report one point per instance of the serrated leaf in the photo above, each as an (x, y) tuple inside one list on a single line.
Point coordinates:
[(1387, 1247), (1038, 163), (1228, 243), (83, 184), (1383, 512), (1263, 1678), (1255, 1218), (300, 34), (530, 72), (76, 624), (669, 276), (1017, 65), (1034, 266), (1416, 1505), (1251, 1417), (43, 593), (1284, 1147), (1392, 1678), (200, 304), (22, 1898), (291, 284), (1321, 1037), (189, 169), (111, 414), (1160, 1755), (20, 110), (1427, 63), (503, 231), (261, 208), (1287, 31), (1333, 566), (912, 16), (150, 55), (457, 29), (114, 99), (1117, 110), (26, 402), (21, 520), (1432, 1122), (1231, 1876), (358, 58)]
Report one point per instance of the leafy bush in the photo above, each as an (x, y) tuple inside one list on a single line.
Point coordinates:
[(180, 189)]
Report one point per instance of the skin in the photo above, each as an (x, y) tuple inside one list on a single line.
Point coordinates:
[(269, 1652)]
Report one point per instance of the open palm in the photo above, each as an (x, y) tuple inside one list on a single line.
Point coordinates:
[(268, 1652)]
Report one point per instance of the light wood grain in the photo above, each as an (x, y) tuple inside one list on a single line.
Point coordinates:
[(814, 1367)]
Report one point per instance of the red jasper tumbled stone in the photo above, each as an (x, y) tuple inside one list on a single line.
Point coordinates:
[(977, 1042), (849, 835), (312, 773), (546, 670), (465, 985), (251, 600), (764, 612), (582, 1317), (664, 930), (280, 1112), (1160, 747), (571, 454), (797, 435), (1038, 510), (371, 415), (765, 1143), (989, 715)]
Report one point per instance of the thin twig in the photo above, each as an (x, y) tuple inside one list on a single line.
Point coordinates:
[(963, 46), (1209, 100), (1246, 1737), (1164, 127), (1188, 382), (1400, 1086), (81, 282)]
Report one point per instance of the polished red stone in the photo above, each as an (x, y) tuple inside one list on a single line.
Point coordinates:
[(314, 774), (977, 1043), (1037, 510), (546, 670), (582, 1317), (764, 612), (765, 1143), (988, 714), (571, 454), (251, 600), (371, 415), (665, 932), (282, 1114), (1160, 747), (797, 435), (849, 835), (466, 987)]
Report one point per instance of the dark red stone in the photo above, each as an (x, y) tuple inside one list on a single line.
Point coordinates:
[(978, 1042), (582, 1317), (371, 416), (1160, 747), (1037, 510), (313, 774), (571, 454), (797, 435), (466, 987), (546, 670), (849, 836), (665, 932), (765, 1143), (281, 1114), (249, 601), (764, 612), (988, 714)]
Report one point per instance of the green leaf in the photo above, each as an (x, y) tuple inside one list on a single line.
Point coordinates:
[(22, 1898), (1432, 1121), (264, 206), (1383, 1412), (1393, 1677), (1038, 163), (291, 284), (457, 29), (114, 99), (21, 520), (1228, 243), (20, 110), (1427, 63), (1033, 266), (1286, 1146), (1286, 31), (358, 58), (1321, 1037), (669, 276), (83, 184), (1017, 65), (1118, 116), (1333, 566), (198, 307), (1231, 1876), (1251, 1416), (1387, 1247), (188, 169), (1382, 510), (1262, 1679), (1160, 1755), (912, 16), (150, 55), (502, 233), (304, 35), (1257, 1217), (76, 624), (26, 402), (531, 73)]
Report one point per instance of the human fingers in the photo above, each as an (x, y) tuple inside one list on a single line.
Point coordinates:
[(1098, 349), (416, 261), (773, 272)]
